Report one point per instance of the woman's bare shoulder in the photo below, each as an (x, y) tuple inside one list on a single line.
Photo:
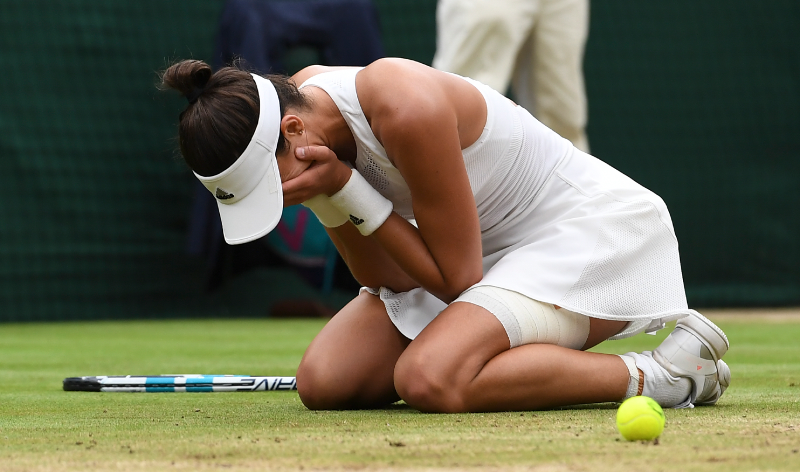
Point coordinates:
[(310, 71), (388, 74), (402, 97), (395, 87)]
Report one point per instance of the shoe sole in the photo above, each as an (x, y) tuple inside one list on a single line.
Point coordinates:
[(708, 333), (724, 375)]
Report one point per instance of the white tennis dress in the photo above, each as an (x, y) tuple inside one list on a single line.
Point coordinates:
[(557, 224)]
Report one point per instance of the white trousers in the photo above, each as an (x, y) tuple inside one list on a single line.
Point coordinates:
[(536, 45)]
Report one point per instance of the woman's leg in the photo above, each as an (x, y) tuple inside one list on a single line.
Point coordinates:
[(462, 362), (350, 364)]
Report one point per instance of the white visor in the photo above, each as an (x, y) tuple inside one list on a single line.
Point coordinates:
[(248, 193)]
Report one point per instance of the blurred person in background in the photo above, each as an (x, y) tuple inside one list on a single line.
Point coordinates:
[(535, 45)]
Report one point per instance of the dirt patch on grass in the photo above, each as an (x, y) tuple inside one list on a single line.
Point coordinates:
[(791, 315)]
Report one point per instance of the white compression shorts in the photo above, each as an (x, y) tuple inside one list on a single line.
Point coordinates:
[(528, 321)]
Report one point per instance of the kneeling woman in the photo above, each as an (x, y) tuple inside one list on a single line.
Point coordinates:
[(492, 252)]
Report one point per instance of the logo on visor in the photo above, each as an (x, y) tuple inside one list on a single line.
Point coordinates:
[(356, 220), (223, 195)]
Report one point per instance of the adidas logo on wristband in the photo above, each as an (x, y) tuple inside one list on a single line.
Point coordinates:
[(359, 197)]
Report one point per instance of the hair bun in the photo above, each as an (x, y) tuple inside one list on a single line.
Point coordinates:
[(188, 77)]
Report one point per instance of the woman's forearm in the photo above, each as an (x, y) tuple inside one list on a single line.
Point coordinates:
[(405, 245), (395, 256), (369, 263)]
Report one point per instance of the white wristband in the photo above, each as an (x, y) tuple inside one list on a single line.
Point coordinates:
[(366, 207), (326, 213)]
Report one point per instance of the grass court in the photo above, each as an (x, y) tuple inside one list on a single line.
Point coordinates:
[(756, 425)]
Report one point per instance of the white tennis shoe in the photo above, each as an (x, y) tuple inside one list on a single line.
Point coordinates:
[(694, 350)]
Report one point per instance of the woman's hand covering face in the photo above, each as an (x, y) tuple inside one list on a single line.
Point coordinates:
[(326, 174)]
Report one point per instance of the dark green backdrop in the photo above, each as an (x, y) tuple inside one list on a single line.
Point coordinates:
[(696, 100)]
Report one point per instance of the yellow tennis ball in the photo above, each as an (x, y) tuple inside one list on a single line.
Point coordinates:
[(640, 418)]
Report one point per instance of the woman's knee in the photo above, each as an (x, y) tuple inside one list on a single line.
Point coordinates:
[(320, 388), (427, 386), (329, 380)]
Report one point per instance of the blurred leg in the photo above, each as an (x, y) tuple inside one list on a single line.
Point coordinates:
[(548, 79), (350, 364), (462, 362), (480, 38)]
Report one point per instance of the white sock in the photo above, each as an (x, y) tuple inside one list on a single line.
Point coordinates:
[(666, 390), (633, 381)]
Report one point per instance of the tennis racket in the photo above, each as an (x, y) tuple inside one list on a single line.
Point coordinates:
[(178, 383)]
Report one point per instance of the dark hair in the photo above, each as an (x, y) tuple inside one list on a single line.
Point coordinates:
[(216, 127)]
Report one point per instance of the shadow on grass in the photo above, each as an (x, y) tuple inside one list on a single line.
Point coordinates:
[(402, 407)]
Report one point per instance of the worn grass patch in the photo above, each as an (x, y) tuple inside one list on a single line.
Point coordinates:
[(756, 425)]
